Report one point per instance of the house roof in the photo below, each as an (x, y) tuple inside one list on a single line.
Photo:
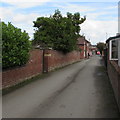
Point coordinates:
[(87, 41), (111, 38), (81, 41)]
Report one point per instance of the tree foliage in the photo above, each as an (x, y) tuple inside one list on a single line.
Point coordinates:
[(57, 31), (15, 46), (101, 46)]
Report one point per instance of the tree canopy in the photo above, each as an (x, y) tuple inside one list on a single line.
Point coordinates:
[(101, 46), (58, 32)]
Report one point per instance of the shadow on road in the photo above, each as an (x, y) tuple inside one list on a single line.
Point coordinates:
[(104, 93)]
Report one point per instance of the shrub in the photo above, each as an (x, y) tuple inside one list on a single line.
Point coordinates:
[(15, 46)]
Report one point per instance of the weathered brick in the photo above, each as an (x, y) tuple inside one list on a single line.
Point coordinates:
[(15, 75)]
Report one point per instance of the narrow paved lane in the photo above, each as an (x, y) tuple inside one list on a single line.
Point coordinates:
[(81, 90)]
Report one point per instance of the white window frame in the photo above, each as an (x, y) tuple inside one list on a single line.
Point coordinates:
[(110, 51)]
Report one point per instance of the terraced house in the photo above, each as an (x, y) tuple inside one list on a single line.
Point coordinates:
[(84, 46)]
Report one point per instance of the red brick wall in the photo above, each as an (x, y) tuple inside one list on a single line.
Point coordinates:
[(33, 67), (87, 49), (52, 59), (55, 59), (114, 76), (82, 52)]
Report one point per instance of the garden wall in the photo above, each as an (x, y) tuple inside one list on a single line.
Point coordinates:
[(32, 68), (55, 59), (40, 61), (114, 76)]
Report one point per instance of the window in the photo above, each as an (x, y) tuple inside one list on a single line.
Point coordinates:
[(114, 49)]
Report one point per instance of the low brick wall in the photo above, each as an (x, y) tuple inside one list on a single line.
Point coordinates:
[(32, 68), (55, 59), (37, 64), (114, 76)]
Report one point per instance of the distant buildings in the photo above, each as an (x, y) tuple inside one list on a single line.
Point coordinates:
[(86, 48), (93, 49)]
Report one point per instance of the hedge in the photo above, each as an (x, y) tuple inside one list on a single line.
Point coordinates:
[(15, 46)]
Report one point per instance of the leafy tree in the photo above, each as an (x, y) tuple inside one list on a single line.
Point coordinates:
[(57, 31), (15, 46), (76, 20), (43, 32), (101, 46)]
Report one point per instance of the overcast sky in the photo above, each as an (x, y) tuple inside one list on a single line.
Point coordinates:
[(101, 23)]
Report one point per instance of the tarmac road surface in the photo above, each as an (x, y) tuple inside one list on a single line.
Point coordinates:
[(80, 90)]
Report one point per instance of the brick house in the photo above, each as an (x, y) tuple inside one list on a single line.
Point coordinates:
[(112, 46), (93, 49), (84, 46), (112, 57)]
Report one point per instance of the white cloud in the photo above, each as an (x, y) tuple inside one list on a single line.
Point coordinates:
[(27, 27), (106, 15), (74, 8), (25, 21), (111, 7), (92, 28), (25, 18), (5, 12), (25, 3), (96, 30)]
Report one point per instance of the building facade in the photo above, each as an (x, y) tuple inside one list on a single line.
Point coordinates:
[(112, 60), (113, 46), (84, 47)]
